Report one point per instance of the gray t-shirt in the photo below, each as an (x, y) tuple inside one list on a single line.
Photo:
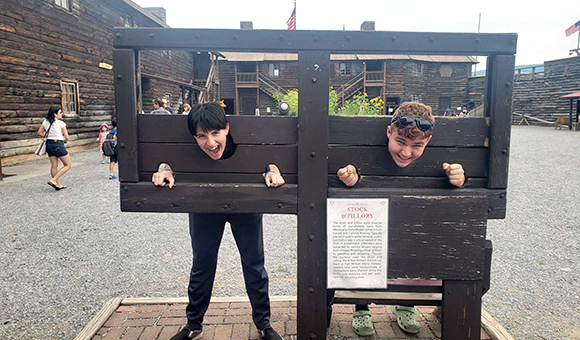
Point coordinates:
[(160, 111)]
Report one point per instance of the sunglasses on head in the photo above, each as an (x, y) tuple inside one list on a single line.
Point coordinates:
[(422, 123)]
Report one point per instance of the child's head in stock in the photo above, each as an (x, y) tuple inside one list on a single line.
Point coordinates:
[(409, 133), (209, 125), (104, 127)]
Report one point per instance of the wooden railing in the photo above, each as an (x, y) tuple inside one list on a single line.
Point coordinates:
[(269, 86), (247, 78), (528, 76), (348, 89), (374, 76), (204, 96)]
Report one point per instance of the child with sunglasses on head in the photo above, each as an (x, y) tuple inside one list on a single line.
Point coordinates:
[(409, 133)]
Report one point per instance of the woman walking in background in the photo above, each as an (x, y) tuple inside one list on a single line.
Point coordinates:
[(55, 130)]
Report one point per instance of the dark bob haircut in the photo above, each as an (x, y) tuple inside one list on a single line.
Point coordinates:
[(208, 116)]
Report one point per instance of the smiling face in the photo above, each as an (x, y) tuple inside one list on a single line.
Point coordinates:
[(212, 142), (58, 115), (405, 150)]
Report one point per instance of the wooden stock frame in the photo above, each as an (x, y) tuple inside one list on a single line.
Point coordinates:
[(310, 148)]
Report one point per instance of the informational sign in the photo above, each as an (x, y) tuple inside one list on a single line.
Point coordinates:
[(357, 234), (106, 66)]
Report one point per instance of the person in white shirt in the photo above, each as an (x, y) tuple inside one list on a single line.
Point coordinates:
[(55, 130)]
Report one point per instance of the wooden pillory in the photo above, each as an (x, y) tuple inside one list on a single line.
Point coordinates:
[(436, 233)]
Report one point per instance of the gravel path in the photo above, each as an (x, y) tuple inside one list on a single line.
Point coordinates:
[(63, 254)]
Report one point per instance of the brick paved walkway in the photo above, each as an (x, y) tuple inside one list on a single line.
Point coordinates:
[(232, 320)]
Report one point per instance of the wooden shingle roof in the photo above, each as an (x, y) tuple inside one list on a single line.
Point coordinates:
[(252, 56)]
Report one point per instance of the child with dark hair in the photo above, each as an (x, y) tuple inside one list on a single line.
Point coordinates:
[(409, 133), (210, 128), (56, 135)]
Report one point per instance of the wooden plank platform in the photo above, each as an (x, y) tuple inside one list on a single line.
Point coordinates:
[(230, 318)]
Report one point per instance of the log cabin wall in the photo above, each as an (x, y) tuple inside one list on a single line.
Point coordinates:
[(539, 95), (336, 80), (175, 66), (227, 79), (446, 80), (42, 44)]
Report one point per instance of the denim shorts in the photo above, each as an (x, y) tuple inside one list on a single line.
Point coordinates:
[(55, 148)]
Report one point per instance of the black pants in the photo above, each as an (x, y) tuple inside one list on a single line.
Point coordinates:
[(206, 232)]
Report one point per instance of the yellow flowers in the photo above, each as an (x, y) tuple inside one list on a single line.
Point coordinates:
[(377, 100)]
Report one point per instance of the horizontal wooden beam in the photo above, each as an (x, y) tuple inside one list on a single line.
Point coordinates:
[(387, 298), (244, 129), (377, 161), (371, 130), (348, 130), (190, 158), (496, 199), (443, 228), (332, 41), (209, 198)]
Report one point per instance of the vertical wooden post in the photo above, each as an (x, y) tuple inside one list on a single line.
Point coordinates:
[(139, 83), (577, 111), (314, 83), (257, 90), (365, 77), (237, 104), (461, 314), (499, 89), (570, 115), (126, 103)]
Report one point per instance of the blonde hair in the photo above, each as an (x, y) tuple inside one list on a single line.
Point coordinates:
[(186, 107), (416, 110)]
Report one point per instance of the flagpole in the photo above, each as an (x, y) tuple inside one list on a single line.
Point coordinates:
[(295, 15)]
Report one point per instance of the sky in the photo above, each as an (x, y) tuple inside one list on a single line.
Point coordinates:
[(540, 27)]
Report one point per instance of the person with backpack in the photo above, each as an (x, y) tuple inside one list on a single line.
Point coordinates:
[(110, 149)]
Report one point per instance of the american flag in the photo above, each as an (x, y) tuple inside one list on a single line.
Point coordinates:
[(291, 22), (571, 30)]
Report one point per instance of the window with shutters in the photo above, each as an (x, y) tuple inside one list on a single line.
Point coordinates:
[(70, 98)]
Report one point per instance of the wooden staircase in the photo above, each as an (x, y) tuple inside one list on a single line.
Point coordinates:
[(348, 90), (269, 87), (206, 95)]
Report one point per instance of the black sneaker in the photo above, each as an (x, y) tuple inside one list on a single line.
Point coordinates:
[(187, 334), (269, 334)]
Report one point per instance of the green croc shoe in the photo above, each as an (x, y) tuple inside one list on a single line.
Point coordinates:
[(362, 324), (406, 319)]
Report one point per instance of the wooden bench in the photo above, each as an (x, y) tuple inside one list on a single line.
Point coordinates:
[(436, 233)]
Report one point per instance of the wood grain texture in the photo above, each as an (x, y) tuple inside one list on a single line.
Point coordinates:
[(433, 234), (244, 129), (371, 130), (377, 161), (500, 89), (126, 101), (461, 311), (190, 158), (99, 320), (209, 198), (314, 75), (331, 41)]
